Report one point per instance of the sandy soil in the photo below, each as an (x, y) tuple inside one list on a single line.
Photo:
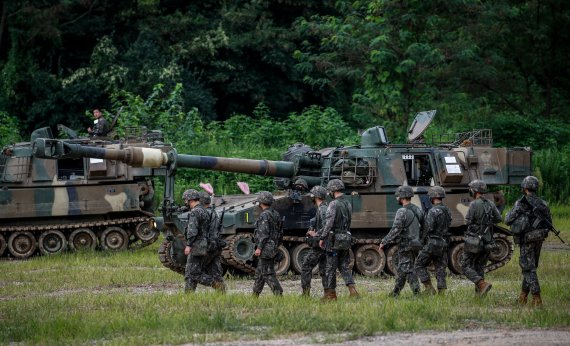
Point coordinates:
[(459, 337)]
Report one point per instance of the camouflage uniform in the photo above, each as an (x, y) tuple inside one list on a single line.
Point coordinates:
[(530, 250), (477, 221), (339, 213), (437, 223), (267, 229), (100, 127), (213, 260), (315, 255), (196, 230), (399, 234)]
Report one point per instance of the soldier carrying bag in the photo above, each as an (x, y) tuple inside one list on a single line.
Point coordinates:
[(342, 235), (200, 247), (414, 229), (271, 248), (474, 238)]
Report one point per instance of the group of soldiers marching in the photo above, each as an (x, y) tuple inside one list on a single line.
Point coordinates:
[(422, 239)]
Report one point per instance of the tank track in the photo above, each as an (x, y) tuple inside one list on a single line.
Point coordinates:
[(230, 259), (494, 265), (166, 259), (69, 227)]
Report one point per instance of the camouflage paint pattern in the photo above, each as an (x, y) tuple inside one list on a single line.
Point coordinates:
[(90, 200), (371, 173)]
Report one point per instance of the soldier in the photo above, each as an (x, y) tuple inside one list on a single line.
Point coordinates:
[(532, 217), (196, 248), (213, 260), (437, 223), (315, 255), (268, 236), (481, 216), (101, 127), (336, 240), (407, 222), (300, 187)]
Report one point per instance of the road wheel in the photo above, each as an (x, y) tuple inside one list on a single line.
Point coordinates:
[(369, 260), (52, 242), (114, 238), (22, 244), (455, 253), (501, 250), (82, 239), (146, 233), (243, 248), (282, 267), (3, 244), (298, 255), (392, 260)]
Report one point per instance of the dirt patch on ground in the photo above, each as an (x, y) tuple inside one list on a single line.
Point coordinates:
[(459, 337)]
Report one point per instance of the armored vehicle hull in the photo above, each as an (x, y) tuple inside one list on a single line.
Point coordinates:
[(49, 206), (371, 172)]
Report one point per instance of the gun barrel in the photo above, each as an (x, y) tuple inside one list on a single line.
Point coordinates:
[(283, 169)]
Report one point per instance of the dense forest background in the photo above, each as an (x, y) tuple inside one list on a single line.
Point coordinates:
[(247, 78)]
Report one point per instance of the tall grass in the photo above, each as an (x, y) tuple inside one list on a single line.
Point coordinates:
[(128, 298)]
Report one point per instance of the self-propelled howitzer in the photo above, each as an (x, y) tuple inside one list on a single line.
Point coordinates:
[(48, 206), (371, 172)]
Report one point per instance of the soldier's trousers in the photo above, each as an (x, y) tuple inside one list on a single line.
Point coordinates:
[(423, 260), (406, 271), (195, 272), (473, 265), (337, 260), (213, 265), (265, 273), (314, 256), (528, 261)]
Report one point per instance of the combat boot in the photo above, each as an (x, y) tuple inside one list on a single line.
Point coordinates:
[(536, 300), (353, 292), (329, 295), (255, 294), (428, 287), (483, 287), (219, 286), (523, 297)]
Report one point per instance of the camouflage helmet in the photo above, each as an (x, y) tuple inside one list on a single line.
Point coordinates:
[(190, 195), (478, 186), (319, 192), (436, 192), (530, 182), (302, 183), (265, 197), (404, 191), (205, 198), (335, 185)]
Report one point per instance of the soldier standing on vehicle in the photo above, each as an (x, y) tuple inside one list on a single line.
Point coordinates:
[(481, 216), (196, 233), (405, 233), (315, 255), (529, 220), (100, 127), (268, 236), (213, 260), (336, 240), (437, 223)]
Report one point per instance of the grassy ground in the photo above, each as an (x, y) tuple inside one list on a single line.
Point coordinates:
[(129, 298)]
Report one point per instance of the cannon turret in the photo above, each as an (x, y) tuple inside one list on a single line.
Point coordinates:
[(371, 171)]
